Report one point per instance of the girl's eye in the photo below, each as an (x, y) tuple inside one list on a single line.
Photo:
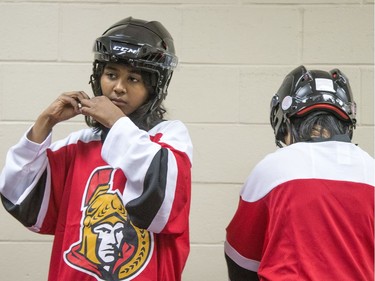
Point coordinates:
[(135, 79), (110, 75)]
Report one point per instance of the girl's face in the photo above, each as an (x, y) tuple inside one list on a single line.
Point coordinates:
[(124, 86)]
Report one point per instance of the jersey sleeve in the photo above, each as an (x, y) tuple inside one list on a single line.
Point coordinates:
[(246, 237), (24, 182), (157, 165)]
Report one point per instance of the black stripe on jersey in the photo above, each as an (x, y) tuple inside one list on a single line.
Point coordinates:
[(143, 209), (237, 273), (27, 212)]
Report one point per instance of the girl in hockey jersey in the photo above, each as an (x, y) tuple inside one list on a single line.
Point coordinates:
[(306, 212), (115, 196)]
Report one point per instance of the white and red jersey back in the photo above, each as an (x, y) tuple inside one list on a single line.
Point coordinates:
[(306, 212)]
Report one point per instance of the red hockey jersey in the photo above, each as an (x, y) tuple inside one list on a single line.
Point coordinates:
[(118, 209), (306, 212)]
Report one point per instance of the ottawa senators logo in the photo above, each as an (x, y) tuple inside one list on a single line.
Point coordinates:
[(110, 246)]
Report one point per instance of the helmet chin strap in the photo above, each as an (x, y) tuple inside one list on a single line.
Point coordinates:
[(280, 144), (154, 104), (161, 93)]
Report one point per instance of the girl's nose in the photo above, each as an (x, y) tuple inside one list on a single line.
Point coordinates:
[(120, 88)]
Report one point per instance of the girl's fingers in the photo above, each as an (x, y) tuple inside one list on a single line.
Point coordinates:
[(82, 95), (76, 100)]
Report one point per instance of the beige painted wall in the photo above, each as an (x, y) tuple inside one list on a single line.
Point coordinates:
[(233, 56)]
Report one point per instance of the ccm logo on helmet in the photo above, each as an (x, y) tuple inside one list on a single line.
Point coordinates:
[(124, 50)]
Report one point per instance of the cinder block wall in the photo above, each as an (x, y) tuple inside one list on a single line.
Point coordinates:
[(233, 56)]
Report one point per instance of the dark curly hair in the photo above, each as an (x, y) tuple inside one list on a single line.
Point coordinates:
[(319, 125)]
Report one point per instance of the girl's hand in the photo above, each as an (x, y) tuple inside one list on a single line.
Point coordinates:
[(102, 110), (66, 106)]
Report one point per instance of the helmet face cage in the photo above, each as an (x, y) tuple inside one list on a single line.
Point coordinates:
[(303, 91), (146, 46)]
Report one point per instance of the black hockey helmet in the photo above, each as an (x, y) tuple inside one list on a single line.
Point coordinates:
[(304, 91), (145, 45)]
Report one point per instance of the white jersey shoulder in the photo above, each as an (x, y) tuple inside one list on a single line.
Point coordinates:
[(330, 160), (175, 134), (84, 135)]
